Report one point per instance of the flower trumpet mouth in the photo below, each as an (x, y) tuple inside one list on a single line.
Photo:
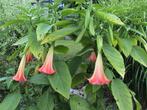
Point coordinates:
[(19, 76), (47, 67), (99, 77)]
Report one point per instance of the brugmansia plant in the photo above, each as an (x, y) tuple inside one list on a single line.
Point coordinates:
[(73, 55)]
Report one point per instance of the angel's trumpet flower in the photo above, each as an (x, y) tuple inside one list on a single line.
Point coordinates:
[(98, 77), (47, 67), (92, 57), (19, 76)]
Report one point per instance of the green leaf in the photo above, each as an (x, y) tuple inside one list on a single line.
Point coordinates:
[(122, 95), (139, 55), (138, 105), (80, 35), (143, 42), (101, 101), (109, 17), (41, 30), (115, 58), (11, 101), (74, 64), (91, 26), (63, 22), (4, 78), (78, 79), (109, 73), (10, 23), (77, 103), (21, 40), (91, 92), (125, 45), (59, 34), (61, 80), (111, 35), (35, 46), (61, 49), (78, 1), (46, 101), (73, 47), (87, 18), (39, 79), (31, 108), (68, 11)]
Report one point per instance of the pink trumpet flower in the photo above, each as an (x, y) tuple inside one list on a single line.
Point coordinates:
[(29, 57), (19, 76), (47, 67), (98, 77), (92, 57)]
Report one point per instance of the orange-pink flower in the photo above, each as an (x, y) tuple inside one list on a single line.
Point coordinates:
[(98, 77), (92, 57), (19, 76), (29, 56), (47, 67)]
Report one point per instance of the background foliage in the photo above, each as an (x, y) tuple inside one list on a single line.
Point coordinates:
[(74, 28)]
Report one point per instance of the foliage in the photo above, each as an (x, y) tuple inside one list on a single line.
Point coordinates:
[(116, 28), (8, 9)]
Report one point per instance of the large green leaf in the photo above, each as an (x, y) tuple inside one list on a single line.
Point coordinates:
[(74, 64), (139, 55), (77, 103), (115, 58), (46, 101), (39, 79), (11, 101), (35, 46), (73, 47), (125, 45), (108, 17), (59, 34), (122, 95), (41, 30), (61, 80)]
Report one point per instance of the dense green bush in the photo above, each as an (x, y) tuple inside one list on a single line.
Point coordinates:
[(9, 8), (74, 38)]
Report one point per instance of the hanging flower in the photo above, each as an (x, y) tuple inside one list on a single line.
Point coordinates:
[(19, 76), (92, 57), (29, 56), (47, 67), (98, 77)]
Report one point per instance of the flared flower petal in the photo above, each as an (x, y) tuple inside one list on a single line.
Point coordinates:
[(92, 57), (29, 56), (47, 67), (98, 77), (19, 76)]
